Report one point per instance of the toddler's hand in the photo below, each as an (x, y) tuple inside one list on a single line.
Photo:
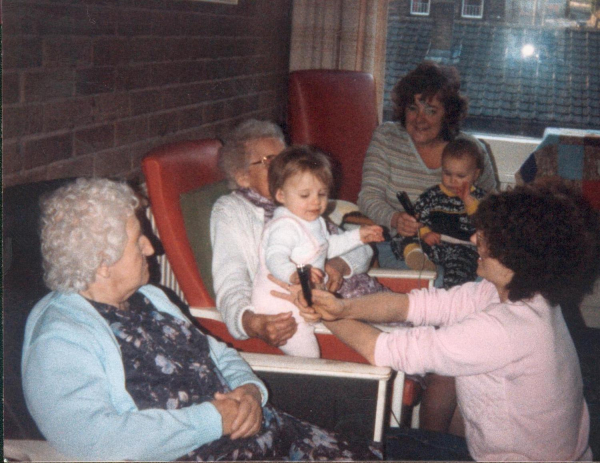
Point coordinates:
[(317, 276), (371, 234), (464, 191), (295, 279), (432, 238)]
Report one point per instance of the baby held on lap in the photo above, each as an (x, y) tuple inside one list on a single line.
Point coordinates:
[(300, 179)]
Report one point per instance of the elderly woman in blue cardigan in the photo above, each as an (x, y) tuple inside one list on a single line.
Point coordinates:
[(113, 370)]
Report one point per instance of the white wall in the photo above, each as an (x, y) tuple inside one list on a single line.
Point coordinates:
[(509, 153)]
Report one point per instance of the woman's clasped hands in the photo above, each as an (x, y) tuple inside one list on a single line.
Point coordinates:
[(240, 410)]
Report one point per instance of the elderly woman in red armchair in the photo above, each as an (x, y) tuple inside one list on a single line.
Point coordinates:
[(236, 225)]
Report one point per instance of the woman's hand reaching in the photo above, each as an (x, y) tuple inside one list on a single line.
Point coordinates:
[(326, 306), (240, 410), (292, 294)]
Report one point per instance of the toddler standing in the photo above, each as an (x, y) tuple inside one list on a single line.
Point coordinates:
[(300, 179), (445, 210)]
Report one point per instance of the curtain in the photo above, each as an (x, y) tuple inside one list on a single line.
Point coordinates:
[(341, 34)]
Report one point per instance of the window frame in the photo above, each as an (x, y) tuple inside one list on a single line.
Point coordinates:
[(416, 12), (472, 16)]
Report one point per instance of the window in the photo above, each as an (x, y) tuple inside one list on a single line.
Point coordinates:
[(528, 65), (419, 7), (472, 9)]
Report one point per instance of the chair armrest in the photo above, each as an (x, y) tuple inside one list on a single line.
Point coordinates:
[(31, 450), (316, 367), (402, 274)]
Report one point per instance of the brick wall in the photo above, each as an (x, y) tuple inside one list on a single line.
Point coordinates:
[(90, 86)]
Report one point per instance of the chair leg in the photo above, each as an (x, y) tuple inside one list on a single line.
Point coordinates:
[(414, 422), (397, 395), (380, 410)]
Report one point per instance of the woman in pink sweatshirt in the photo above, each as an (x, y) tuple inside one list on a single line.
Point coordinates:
[(517, 373)]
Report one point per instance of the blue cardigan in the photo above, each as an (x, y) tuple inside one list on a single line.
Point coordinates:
[(74, 385)]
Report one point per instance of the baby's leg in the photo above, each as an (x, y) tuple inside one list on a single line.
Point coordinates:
[(303, 343), (459, 262)]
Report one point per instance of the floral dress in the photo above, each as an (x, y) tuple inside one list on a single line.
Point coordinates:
[(167, 365)]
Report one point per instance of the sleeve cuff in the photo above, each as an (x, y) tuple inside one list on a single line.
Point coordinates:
[(239, 326), (472, 208)]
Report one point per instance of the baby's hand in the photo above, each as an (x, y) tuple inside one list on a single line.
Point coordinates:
[(294, 279), (432, 238), (464, 191), (371, 234), (317, 276)]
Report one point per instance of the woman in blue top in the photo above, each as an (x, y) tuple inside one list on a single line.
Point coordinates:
[(112, 370)]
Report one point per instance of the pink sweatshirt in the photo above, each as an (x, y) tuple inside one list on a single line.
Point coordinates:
[(518, 378)]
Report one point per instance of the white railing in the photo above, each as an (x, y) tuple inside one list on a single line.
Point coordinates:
[(167, 277)]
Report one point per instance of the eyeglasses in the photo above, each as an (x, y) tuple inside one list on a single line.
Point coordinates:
[(265, 161)]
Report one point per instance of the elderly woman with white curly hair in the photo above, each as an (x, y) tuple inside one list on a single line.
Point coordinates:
[(113, 370)]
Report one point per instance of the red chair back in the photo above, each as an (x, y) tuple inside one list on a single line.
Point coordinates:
[(170, 171), (335, 111)]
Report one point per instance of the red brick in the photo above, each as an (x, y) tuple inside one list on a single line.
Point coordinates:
[(134, 22), (163, 124), (179, 48), (10, 88), (52, 19), (44, 151), (192, 117), (18, 121), (67, 51), (194, 71), (177, 97), (94, 21), (67, 114), (112, 163), (133, 77), (228, 67), (213, 112), (164, 74), (21, 52), (30, 176), (11, 159), (95, 80), (241, 105), (46, 85), (82, 166), (148, 49), (110, 106), (146, 102), (94, 139), (131, 131), (16, 20), (111, 51)]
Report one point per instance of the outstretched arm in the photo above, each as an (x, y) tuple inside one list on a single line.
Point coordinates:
[(358, 335)]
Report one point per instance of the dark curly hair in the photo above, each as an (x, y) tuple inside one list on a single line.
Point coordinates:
[(430, 79), (548, 235), (295, 160)]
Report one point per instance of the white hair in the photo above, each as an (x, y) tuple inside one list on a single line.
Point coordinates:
[(234, 155), (83, 226)]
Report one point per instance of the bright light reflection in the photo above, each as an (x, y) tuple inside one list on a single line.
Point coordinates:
[(527, 51)]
